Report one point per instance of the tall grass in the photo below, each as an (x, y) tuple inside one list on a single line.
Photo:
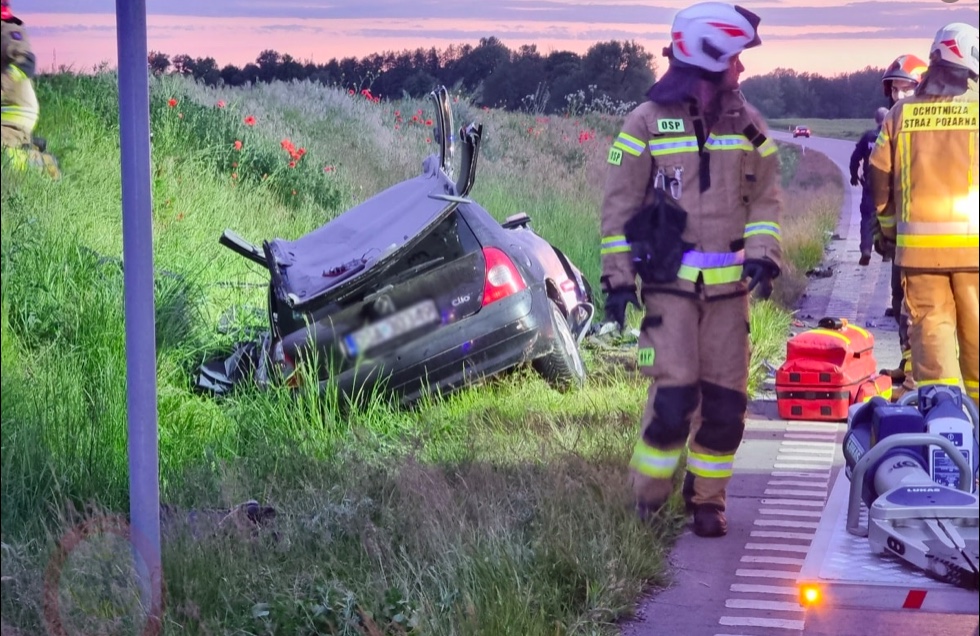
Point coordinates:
[(498, 509)]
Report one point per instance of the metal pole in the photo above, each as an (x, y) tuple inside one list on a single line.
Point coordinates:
[(141, 393)]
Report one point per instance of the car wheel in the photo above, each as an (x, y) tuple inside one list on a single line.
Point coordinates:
[(562, 368)]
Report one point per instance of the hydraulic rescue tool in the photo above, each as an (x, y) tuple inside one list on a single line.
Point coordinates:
[(900, 462)]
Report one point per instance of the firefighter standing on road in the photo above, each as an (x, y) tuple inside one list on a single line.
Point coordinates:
[(692, 204), (859, 171), (925, 171), (898, 82)]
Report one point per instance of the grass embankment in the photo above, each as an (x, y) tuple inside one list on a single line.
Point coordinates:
[(500, 509)]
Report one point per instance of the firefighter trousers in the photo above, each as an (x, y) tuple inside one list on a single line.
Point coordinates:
[(944, 311), (696, 353)]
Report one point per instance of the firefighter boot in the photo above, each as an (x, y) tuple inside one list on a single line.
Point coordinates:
[(709, 521), (649, 494), (705, 499)]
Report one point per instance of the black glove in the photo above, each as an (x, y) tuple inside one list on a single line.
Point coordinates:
[(616, 302), (854, 180), (884, 246), (760, 271)]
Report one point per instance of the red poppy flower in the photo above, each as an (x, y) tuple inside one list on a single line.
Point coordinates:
[(221, 103), (172, 102), (238, 144), (250, 120)]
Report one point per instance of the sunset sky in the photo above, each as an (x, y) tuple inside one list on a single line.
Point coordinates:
[(819, 36)]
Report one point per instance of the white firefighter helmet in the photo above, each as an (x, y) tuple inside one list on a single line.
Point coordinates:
[(956, 45), (707, 35)]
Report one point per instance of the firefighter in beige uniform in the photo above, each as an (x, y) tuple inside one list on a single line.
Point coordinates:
[(692, 205), (924, 172), (20, 108)]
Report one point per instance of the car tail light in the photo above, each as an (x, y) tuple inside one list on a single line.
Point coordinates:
[(502, 278)]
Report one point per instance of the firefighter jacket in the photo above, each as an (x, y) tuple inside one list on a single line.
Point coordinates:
[(728, 182), (19, 103), (861, 155), (924, 172)]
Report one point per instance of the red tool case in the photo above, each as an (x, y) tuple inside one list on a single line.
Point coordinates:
[(828, 369)]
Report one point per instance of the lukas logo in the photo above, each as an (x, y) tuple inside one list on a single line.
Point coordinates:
[(922, 489)]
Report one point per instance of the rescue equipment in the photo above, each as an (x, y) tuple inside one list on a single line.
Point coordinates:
[(888, 449), (828, 369)]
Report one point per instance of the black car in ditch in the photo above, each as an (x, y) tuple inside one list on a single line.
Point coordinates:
[(416, 290)]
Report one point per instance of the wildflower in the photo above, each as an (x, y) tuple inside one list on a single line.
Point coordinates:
[(301, 152), (238, 144), (221, 103), (397, 127), (172, 102), (428, 122), (250, 120), (234, 164), (350, 92), (234, 175), (328, 168), (428, 141), (398, 113), (292, 164)]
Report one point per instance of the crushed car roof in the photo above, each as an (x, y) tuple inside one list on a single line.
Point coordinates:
[(363, 237)]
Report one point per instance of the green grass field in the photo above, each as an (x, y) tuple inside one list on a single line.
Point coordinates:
[(499, 509), (837, 128)]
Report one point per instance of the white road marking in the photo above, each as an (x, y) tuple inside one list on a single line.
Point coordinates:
[(747, 588), (775, 623), (825, 474), (812, 436), (778, 547), (786, 523), (791, 513), (797, 465), (816, 483), (807, 450), (792, 502), (772, 560), (767, 574), (784, 492), (810, 444), (766, 534), (778, 606)]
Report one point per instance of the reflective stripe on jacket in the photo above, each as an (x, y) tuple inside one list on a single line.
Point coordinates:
[(924, 179), (734, 205)]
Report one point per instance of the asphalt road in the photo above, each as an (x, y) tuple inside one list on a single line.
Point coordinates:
[(744, 584)]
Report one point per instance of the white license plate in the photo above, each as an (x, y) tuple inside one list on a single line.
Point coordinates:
[(391, 327)]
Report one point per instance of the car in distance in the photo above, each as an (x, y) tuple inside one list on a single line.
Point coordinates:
[(801, 131)]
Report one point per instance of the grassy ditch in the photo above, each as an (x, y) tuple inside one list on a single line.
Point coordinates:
[(499, 509)]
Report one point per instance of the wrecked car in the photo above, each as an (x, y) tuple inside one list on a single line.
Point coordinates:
[(416, 290)]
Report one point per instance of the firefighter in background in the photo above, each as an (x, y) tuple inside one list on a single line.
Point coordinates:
[(859, 170), (19, 109), (898, 82), (925, 170), (692, 204)]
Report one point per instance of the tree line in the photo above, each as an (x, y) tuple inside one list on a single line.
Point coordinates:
[(610, 77)]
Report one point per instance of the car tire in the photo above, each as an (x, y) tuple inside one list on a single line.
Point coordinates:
[(562, 368)]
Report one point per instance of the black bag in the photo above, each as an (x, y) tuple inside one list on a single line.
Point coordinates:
[(654, 235)]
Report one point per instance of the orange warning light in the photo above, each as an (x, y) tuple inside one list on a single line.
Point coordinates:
[(809, 595)]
